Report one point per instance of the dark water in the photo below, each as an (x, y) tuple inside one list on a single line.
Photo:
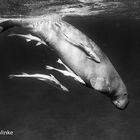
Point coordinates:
[(36, 111)]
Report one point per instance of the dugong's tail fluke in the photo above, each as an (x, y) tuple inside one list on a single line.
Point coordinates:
[(5, 25)]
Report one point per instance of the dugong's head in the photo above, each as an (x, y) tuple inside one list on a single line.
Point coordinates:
[(107, 81)]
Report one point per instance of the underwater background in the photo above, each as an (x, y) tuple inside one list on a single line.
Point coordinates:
[(34, 110)]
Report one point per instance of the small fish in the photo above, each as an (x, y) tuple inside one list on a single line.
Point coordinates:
[(67, 73), (29, 37), (60, 62), (91, 54), (50, 79)]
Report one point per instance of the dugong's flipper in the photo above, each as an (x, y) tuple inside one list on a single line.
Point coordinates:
[(8, 24)]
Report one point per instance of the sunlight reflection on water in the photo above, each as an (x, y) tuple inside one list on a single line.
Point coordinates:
[(70, 8)]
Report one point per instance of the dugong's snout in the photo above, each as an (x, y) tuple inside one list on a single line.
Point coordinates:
[(119, 96), (121, 102), (115, 90)]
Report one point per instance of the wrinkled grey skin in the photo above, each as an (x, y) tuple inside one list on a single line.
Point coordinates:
[(71, 46)]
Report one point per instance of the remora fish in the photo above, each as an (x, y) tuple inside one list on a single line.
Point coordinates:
[(29, 38), (79, 53), (49, 79), (67, 72)]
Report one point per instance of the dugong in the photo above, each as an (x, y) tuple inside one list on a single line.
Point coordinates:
[(78, 52)]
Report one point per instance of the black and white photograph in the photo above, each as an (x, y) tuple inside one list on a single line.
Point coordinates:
[(69, 69)]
